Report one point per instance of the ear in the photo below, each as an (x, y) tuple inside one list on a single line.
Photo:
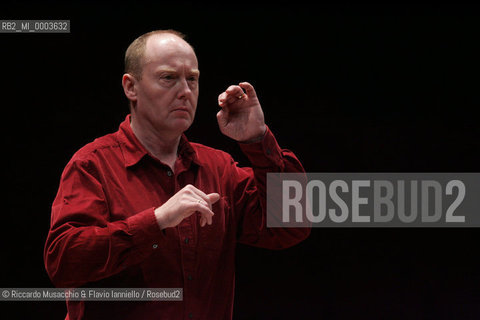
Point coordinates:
[(129, 87)]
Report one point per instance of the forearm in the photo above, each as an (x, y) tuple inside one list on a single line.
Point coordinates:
[(76, 255), (266, 156)]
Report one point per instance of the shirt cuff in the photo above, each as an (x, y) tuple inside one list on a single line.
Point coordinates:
[(145, 231), (264, 153)]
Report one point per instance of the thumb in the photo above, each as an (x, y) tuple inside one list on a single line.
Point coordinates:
[(213, 197)]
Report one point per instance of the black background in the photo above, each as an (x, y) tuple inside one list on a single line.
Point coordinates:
[(348, 87)]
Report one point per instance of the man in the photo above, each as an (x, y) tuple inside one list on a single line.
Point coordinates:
[(144, 207)]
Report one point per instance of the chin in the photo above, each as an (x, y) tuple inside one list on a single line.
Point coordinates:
[(182, 124)]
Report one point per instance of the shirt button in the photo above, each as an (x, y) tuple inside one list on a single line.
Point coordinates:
[(155, 246), (169, 173), (189, 277), (268, 151), (190, 315), (186, 240)]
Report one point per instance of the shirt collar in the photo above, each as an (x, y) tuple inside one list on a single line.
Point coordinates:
[(133, 150)]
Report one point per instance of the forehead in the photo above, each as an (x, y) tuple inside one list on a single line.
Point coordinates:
[(170, 51)]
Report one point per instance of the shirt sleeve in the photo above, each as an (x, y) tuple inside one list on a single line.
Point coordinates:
[(83, 245), (250, 194)]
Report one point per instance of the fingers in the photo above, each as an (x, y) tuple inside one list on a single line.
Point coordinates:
[(206, 217), (205, 211), (203, 221), (235, 93), (200, 195), (185, 203), (232, 94), (202, 203), (248, 89), (222, 99), (213, 197)]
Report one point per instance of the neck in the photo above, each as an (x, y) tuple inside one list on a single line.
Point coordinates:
[(162, 146)]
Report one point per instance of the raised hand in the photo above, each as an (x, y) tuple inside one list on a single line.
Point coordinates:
[(241, 117)]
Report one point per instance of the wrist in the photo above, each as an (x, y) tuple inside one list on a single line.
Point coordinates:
[(160, 218), (257, 138)]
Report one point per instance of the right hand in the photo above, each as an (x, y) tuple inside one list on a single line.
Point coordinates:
[(183, 204)]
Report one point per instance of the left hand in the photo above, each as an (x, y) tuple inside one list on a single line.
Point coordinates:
[(241, 117)]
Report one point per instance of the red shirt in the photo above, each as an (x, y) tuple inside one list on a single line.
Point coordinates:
[(104, 234)]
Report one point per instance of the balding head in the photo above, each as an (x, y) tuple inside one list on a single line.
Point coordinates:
[(136, 54)]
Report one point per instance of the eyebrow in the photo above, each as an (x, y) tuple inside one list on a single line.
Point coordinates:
[(195, 72)]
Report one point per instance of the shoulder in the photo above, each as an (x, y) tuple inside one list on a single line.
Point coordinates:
[(96, 150)]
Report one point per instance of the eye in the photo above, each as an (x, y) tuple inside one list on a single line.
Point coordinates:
[(167, 76)]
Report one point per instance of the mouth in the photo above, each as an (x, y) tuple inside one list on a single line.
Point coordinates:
[(182, 109)]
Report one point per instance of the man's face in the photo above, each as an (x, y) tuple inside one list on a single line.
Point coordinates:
[(167, 92)]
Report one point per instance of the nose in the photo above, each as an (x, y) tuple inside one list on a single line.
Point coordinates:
[(184, 90)]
